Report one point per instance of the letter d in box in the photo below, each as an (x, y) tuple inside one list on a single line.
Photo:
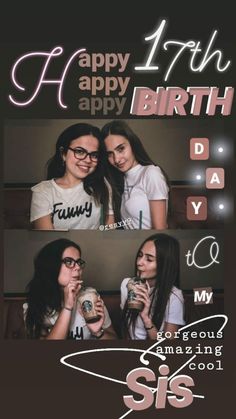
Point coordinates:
[(199, 149)]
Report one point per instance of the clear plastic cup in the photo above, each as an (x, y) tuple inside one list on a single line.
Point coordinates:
[(133, 303), (87, 298)]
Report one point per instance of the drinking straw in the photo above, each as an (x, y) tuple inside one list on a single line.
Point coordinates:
[(140, 219), (101, 216)]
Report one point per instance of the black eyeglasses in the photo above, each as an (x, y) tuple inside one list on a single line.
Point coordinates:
[(80, 153), (70, 262)]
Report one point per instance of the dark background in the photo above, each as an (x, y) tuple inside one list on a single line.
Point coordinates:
[(33, 383)]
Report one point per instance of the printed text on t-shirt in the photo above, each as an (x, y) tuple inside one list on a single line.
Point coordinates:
[(72, 212)]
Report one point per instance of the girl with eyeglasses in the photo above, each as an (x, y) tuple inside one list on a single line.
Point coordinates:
[(157, 263), (52, 311), (76, 195), (140, 188)]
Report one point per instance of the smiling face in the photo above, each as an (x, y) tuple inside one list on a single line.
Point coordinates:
[(67, 274), (79, 169), (119, 152), (147, 261)]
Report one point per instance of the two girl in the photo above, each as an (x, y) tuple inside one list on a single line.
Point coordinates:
[(95, 176), (52, 310)]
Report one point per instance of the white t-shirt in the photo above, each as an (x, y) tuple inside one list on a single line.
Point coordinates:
[(78, 327), (174, 311), (71, 208), (141, 185)]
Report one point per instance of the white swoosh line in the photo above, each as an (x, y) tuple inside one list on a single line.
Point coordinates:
[(143, 353), (63, 360)]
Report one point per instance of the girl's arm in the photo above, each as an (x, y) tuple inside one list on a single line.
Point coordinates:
[(143, 295), (158, 214), (172, 328), (97, 330), (109, 333), (61, 327), (152, 330), (110, 219), (43, 223)]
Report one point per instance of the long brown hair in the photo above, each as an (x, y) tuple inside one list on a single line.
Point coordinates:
[(167, 276), (94, 183), (114, 176)]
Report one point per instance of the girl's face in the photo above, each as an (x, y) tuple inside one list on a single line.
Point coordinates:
[(119, 152), (66, 273), (78, 164), (147, 261)]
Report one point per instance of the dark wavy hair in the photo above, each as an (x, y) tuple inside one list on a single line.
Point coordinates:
[(114, 176), (43, 291), (94, 183), (167, 276)]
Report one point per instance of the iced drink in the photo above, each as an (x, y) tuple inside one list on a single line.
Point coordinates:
[(133, 303), (87, 298)]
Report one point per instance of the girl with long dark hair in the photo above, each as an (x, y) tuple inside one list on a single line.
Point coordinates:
[(52, 310), (76, 195), (140, 188), (157, 262)]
